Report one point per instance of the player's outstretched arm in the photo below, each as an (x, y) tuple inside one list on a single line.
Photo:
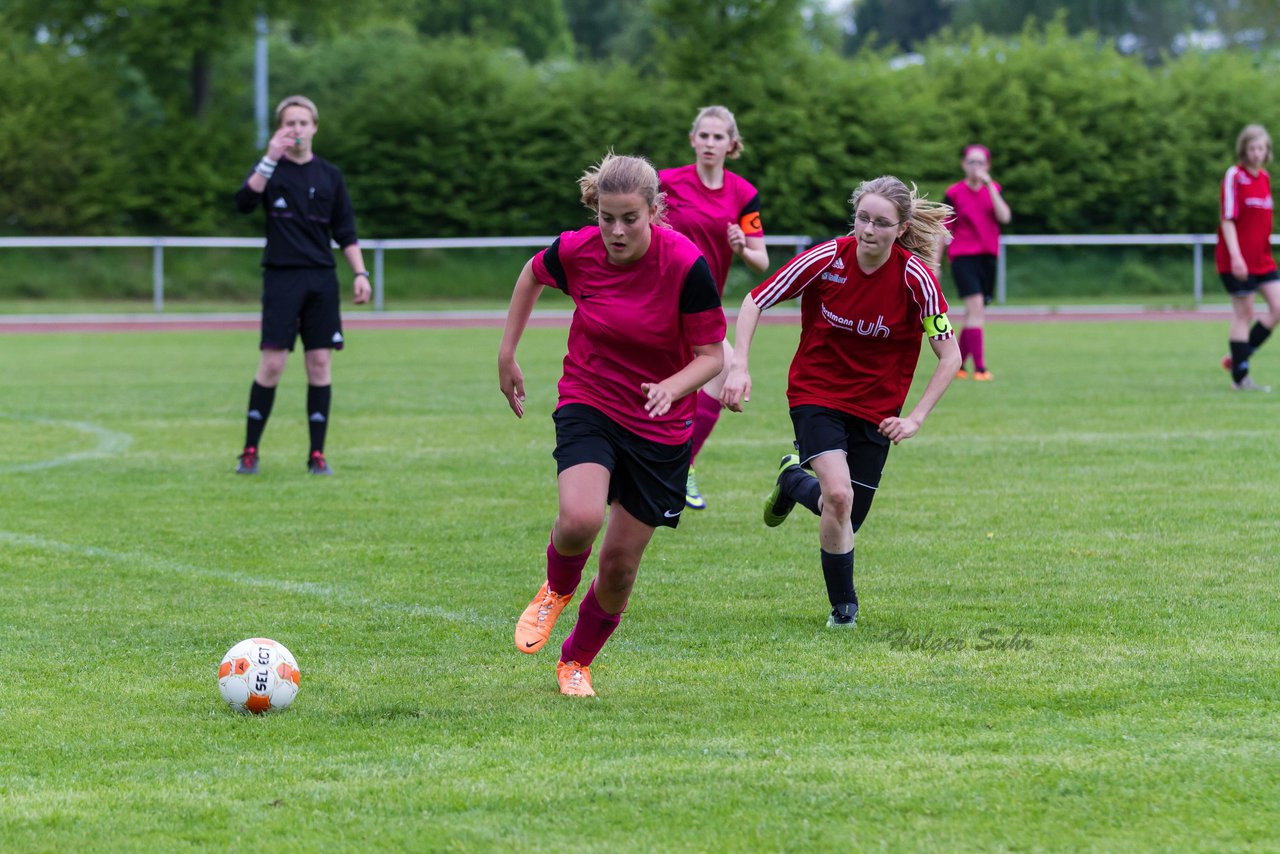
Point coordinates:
[(948, 352), (737, 385), (523, 298)]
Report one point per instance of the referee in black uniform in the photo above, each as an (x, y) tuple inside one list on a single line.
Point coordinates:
[(306, 202)]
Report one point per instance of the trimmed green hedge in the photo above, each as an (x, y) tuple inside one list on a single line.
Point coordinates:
[(454, 137)]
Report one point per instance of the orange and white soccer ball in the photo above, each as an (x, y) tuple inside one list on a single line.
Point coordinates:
[(259, 675)]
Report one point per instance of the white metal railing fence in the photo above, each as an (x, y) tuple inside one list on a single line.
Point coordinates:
[(1197, 241), (157, 245), (798, 242)]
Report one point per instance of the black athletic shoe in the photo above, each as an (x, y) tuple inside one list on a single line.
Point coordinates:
[(777, 506), (317, 465), (248, 462), (843, 616)]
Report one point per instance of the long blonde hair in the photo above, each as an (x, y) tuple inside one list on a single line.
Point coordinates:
[(622, 174), (926, 220)]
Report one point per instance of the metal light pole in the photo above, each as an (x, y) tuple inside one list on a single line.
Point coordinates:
[(260, 77)]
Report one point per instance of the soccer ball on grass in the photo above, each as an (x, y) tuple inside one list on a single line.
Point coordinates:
[(258, 675)]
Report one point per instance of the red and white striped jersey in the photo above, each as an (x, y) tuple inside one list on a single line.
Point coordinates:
[(860, 333), (1246, 200)]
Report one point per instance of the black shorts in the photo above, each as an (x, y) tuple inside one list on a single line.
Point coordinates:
[(300, 300), (975, 274), (1237, 288), (648, 478), (820, 430)]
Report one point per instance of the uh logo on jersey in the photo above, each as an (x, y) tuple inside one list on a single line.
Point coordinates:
[(869, 328)]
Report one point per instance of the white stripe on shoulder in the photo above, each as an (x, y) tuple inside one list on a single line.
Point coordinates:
[(925, 291), (1229, 192), (811, 259)]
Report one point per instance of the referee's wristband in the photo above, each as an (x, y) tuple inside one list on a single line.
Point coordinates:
[(266, 167), (364, 273)]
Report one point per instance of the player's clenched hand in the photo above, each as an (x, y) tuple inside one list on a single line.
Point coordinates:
[(736, 390), (511, 381), (1239, 269), (737, 240), (659, 400), (363, 290), (898, 429)]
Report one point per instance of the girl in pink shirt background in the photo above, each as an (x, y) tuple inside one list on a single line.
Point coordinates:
[(975, 244), (720, 212)]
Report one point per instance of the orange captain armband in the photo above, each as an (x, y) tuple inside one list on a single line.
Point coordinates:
[(750, 224), (937, 326)]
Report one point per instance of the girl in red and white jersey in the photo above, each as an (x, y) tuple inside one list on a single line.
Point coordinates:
[(720, 212), (646, 332), (980, 210), (1243, 256), (865, 301)]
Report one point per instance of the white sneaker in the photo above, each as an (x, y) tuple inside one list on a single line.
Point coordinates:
[(1247, 384)]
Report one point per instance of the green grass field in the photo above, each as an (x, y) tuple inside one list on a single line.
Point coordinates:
[(1104, 511)]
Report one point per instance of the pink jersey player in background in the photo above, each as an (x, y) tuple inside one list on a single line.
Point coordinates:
[(865, 301), (720, 212), (646, 333), (980, 210), (1244, 260)]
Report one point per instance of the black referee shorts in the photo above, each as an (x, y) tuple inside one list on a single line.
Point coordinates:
[(648, 478), (820, 430), (975, 274), (300, 301)]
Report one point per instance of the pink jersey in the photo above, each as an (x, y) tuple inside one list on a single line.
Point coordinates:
[(704, 215), (632, 324), (859, 333), (974, 229), (1246, 200)]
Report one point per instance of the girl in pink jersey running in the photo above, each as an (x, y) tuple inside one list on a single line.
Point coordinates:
[(1243, 255), (980, 210), (720, 212), (865, 301), (646, 332)]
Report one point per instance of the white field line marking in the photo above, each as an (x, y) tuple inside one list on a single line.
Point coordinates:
[(303, 588), (110, 443)]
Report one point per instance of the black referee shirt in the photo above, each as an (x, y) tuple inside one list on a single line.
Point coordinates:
[(305, 204)]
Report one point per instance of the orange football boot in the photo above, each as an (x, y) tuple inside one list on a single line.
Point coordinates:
[(574, 679), (535, 625)]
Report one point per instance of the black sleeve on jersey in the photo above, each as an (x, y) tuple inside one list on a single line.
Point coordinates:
[(247, 199), (699, 290), (752, 206), (551, 260), (343, 220)]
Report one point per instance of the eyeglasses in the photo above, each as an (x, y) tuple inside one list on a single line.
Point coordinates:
[(975, 162), (880, 224)]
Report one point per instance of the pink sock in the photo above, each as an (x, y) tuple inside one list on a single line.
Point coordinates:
[(564, 573), (964, 346), (979, 362), (706, 416), (590, 632)]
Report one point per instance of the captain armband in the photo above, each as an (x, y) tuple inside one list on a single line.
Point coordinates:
[(937, 326)]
